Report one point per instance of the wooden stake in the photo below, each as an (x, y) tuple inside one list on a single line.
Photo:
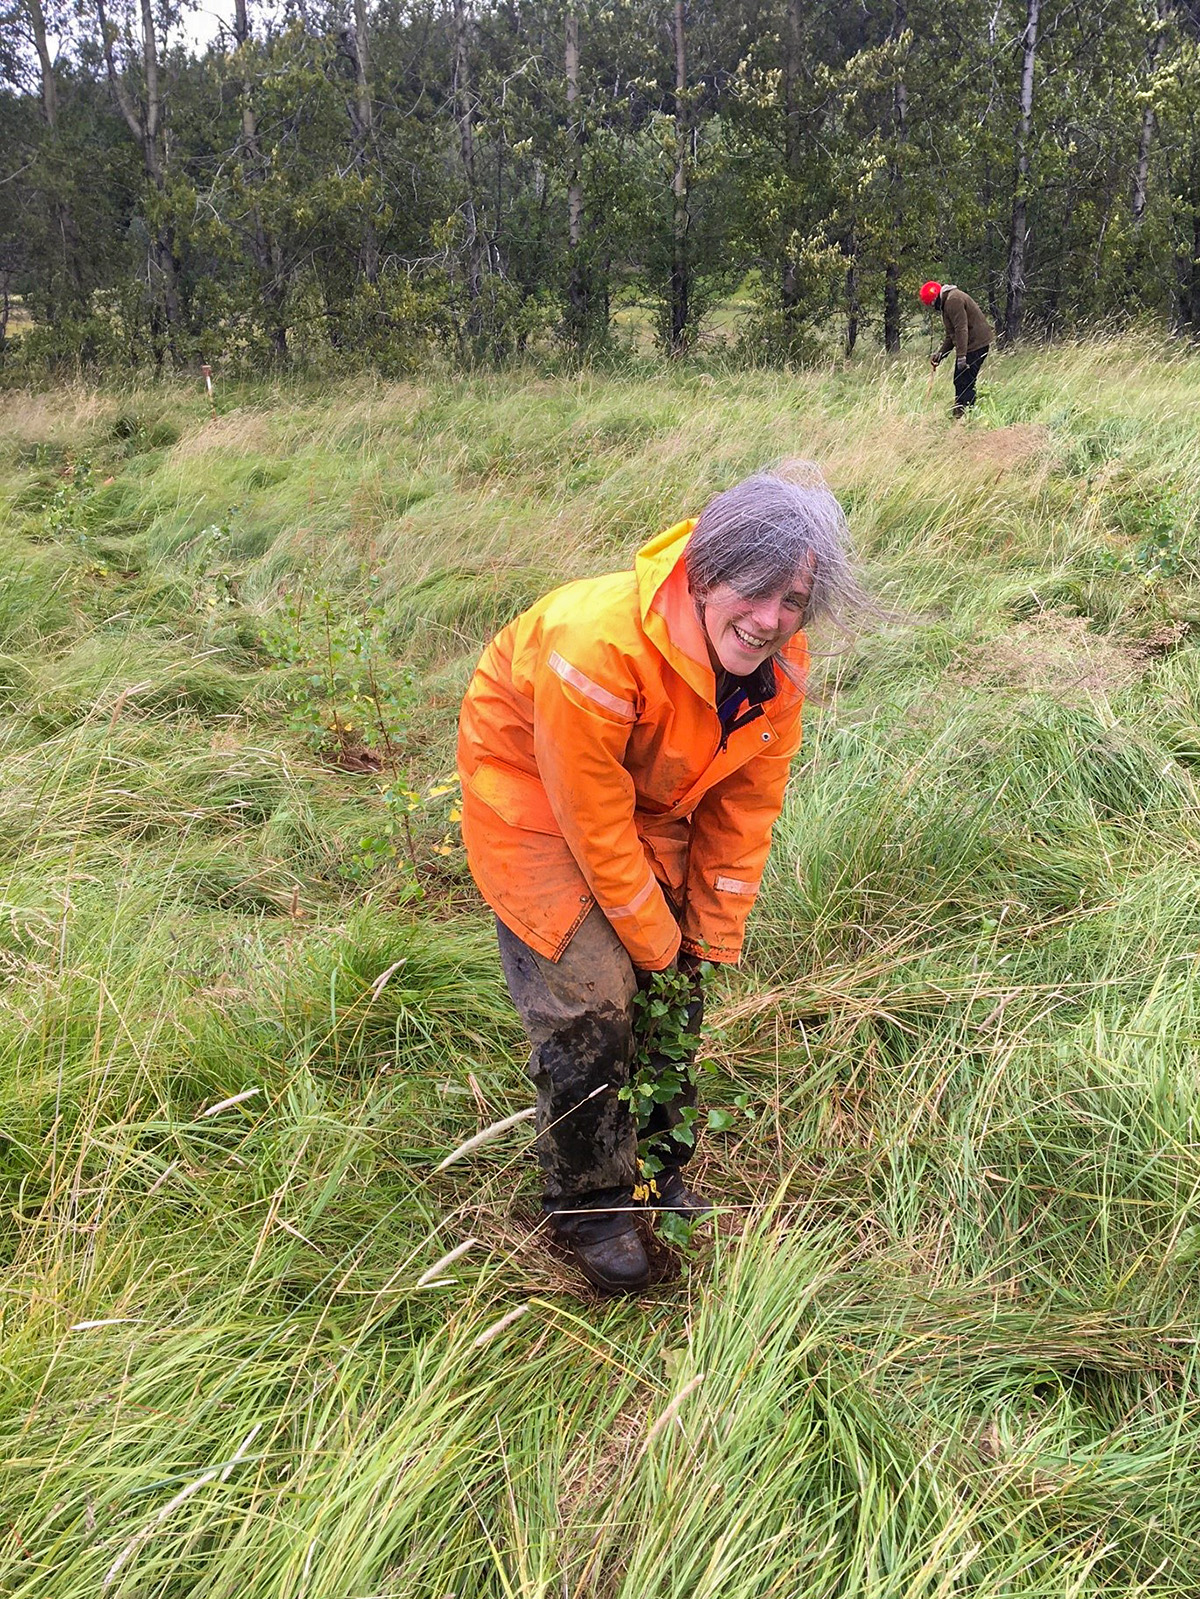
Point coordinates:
[(206, 373)]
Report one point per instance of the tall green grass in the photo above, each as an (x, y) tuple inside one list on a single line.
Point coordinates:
[(944, 1341)]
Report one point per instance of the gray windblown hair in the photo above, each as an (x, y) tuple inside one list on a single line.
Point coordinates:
[(757, 535)]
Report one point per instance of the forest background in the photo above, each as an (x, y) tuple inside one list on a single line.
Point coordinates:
[(352, 183)]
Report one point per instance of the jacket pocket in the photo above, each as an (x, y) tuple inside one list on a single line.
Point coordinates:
[(517, 797)]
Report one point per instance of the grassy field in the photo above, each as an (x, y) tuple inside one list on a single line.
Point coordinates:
[(946, 1340)]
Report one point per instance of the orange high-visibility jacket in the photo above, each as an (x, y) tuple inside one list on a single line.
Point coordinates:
[(592, 769)]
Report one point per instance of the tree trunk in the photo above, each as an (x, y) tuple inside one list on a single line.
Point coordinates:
[(1149, 122), (37, 19), (680, 288), (789, 289), (891, 307), (577, 276), (364, 137), (1187, 265), (268, 258), (1018, 233), (145, 123), (1142, 169), (464, 113), (64, 220), (853, 308), (891, 273), (993, 245)]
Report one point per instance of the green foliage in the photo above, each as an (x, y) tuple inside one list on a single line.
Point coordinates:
[(1153, 518), (391, 846), (470, 199), (1156, 557), (63, 518), (347, 698), (663, 1067)]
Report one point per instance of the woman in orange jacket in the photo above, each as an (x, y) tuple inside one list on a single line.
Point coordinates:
[(623, 747)]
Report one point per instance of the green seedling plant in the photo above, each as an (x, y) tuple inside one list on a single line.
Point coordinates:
[(724, 1121), (348, 702), (218, 583), (663, 1072), (1158, 556), (352, 706), (62, 516), (1155, 560), (390, 844)]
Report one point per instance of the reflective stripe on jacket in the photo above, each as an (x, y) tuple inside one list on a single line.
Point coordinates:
[(593, 769)]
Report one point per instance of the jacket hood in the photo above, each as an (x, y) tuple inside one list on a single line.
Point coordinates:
[(657, 559), (668, 614)]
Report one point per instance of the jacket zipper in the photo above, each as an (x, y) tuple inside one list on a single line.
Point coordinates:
[(747, 716)]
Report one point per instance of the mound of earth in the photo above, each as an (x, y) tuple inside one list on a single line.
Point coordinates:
[(1052, 653), (1006, 447)]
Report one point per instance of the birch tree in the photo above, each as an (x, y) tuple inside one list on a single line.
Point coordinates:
[(1018, 232), (132, 60), (268, 257), (679, 302)]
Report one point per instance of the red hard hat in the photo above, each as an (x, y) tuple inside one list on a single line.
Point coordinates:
[(929, 292)]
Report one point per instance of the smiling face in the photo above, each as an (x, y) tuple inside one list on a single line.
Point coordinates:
[(742, 633)]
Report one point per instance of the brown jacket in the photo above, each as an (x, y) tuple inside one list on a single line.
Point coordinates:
[(966, 326)]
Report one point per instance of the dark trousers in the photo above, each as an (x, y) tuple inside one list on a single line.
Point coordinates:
[(964, 379), (578, 1013)]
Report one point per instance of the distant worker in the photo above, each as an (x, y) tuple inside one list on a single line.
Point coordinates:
[(968, 334)]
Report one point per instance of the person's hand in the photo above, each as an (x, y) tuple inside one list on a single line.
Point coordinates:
[(961, 364), (933, 362), (689, 965)]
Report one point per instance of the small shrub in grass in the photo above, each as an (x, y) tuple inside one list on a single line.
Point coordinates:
[(390, 844), (347, 698), (662, 1068), (63, 517)]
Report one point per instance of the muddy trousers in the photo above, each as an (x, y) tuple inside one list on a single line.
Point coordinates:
[(964, 381), (578, 1013)]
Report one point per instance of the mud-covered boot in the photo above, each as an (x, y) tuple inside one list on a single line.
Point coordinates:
[(674, 1195), (607, 1250)]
